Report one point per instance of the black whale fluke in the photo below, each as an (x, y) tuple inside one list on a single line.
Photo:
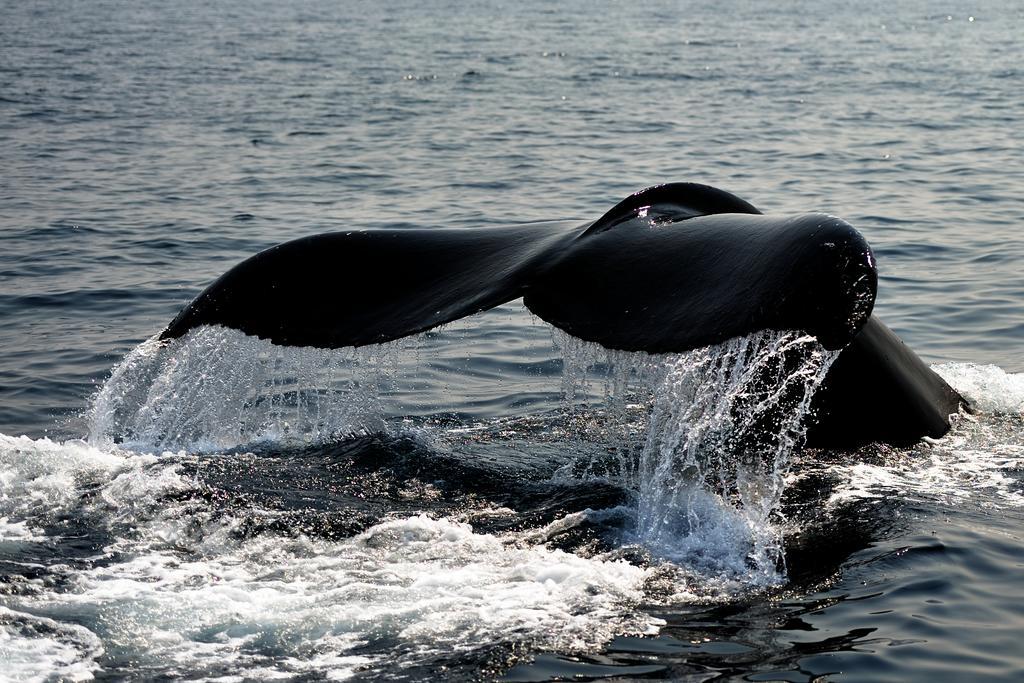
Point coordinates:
[(671, 268)]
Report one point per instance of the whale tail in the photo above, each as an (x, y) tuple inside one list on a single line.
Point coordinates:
[(671, 268)]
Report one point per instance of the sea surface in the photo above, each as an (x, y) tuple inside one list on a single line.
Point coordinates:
[(493, 499)]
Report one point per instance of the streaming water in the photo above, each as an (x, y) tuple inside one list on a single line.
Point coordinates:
[(219, 388), (724, 426), (705, 458)]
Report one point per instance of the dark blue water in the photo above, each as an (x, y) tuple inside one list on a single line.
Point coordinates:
[(468, 504)]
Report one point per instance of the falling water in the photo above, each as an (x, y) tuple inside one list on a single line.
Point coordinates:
[(723, 422), (702, 439), (218, 388)]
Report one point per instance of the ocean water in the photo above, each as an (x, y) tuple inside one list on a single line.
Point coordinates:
[(494, 499)]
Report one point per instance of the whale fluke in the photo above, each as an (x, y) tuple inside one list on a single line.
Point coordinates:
[(671, 268), (661, 286), (668, 269), (372, 286)]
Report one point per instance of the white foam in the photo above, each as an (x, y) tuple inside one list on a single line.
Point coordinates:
[(40, 479), (430, 586), (990, 388), (979, 462), (13, 532), (38, 649), (180, 586)]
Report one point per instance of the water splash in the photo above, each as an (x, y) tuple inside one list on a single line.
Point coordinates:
[(723, 423), (702, 439), (988, 387), (218, 388), (183, 580)]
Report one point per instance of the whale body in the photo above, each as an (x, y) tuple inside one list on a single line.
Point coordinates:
[(671, 268)]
